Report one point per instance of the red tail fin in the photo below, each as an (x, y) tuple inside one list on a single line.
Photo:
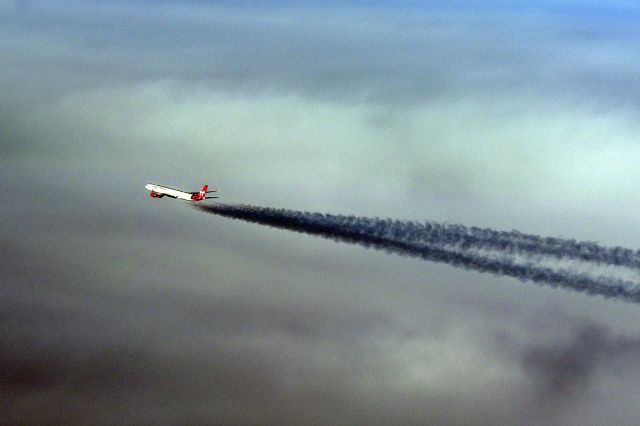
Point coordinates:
[(203, 191), (200, 195)]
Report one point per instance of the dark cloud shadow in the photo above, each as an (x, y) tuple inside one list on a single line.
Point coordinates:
[(567, 368)]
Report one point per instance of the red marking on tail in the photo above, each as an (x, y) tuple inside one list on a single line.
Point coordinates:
[(200, 195)]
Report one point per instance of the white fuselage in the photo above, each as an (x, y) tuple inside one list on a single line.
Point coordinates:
[(169, 192)]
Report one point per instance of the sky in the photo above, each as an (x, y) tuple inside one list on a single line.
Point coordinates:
[(119, 308)]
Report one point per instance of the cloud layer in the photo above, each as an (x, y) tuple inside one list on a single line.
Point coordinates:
[(121, 308)]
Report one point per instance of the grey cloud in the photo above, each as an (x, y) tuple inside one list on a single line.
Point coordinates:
[(15, 138), (398, 57), (98, 350), (122, 309), (125, 385), (566, 368)]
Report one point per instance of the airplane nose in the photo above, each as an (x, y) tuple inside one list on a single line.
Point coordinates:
[(148, 186)]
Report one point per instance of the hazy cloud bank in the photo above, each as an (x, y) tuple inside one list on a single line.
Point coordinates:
[(118, 307)]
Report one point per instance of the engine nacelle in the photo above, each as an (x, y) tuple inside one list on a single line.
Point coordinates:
[(155, 195)]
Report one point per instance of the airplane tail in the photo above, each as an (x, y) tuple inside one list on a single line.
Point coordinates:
[(203, 191), (197, 196)]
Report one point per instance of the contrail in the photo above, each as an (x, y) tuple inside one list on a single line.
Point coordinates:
[(450, 243), (519, 243), (514, 242)]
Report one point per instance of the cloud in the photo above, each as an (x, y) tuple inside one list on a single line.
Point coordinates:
[(398, 57), (120, 308), (567, 370), (525, 149), (411, 104)]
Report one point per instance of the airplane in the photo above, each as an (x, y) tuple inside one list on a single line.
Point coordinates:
[(159, 191)]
